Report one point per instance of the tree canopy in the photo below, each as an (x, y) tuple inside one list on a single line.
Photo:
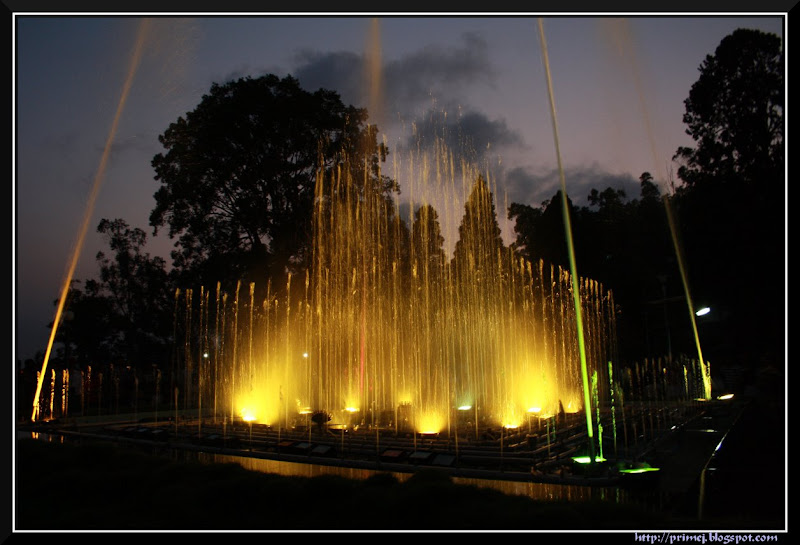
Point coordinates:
[(126, 314), (239, 171), (427, 242), (728, 215), (735, 112), (479, 241), (731, 210)]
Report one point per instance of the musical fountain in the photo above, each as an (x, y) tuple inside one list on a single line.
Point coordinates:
[(404, 348)]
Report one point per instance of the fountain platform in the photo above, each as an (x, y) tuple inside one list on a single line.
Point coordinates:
[(496, 454)]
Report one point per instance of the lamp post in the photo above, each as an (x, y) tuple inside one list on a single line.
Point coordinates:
[(704, 366)]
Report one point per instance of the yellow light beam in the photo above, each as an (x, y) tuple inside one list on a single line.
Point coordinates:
[(98, 182)]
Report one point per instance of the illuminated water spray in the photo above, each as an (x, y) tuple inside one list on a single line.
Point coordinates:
[(571, 249), (389, 332), (98, 182), (373, 59)]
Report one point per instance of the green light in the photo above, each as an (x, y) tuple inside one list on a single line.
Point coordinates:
[(639, 470), (576, 294), (587, 459), (690, 304)]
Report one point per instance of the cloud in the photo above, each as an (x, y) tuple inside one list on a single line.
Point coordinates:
[(525, 186), (468, 134), (425, 95), (409, 84), (244, 70), (340, 71), (235, 74), (429, 90), (438, 72)]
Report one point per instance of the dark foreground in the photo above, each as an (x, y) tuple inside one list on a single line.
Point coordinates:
[(100, 486)]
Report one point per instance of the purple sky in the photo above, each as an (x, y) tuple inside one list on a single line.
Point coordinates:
[(619, 87)]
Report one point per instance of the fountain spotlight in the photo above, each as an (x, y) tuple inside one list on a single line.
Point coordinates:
[(587, 459), (637, 470)]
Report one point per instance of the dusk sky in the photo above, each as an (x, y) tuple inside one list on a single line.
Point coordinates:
[(619, 86)]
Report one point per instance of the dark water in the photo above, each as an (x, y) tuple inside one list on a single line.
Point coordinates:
[(537, 491)]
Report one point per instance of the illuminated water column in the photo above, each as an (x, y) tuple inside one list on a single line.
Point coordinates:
[(396, 332)]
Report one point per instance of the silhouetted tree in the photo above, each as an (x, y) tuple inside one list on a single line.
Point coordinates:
[(239, 173), (731, 208), (622, 243), (130, 304), (86, 333), (479, 241), (735, 112), (540, 232), (427, 243)]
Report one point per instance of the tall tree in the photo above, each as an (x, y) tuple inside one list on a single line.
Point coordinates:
[(135, 289), (735, 112), (86, 333), (427, 242), (239, 172), (622, 243), (540, 231), (731, 208), (479, 237)]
